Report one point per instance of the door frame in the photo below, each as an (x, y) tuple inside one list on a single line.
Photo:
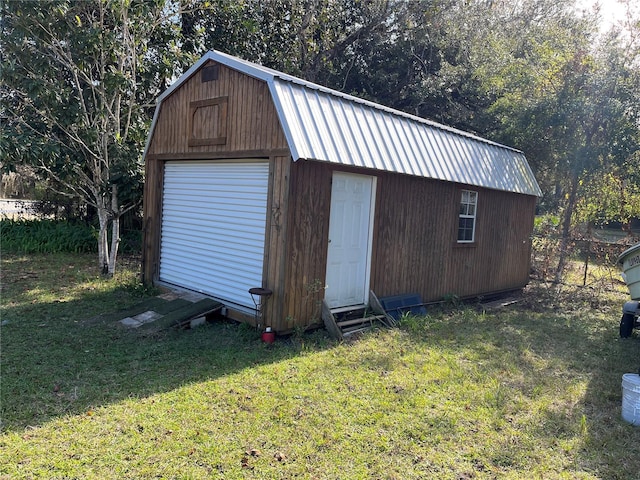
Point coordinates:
[(369, 245)]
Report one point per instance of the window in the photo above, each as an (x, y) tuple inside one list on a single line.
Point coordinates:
[(467, 218)]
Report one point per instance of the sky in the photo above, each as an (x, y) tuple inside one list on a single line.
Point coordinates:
[(611, 11)]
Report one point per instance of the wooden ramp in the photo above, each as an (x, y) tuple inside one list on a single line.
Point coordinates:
[(343, 323), (181, 317)]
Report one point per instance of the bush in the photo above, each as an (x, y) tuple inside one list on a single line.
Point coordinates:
[(47, 236), (131, 241), (545, 246)]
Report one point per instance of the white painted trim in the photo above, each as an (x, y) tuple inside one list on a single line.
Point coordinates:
[(370, 228), (372, 217), (349, 308)]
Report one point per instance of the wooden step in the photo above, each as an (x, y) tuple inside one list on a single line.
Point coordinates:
[(357, 329), (356, 321), (377, 307), (172, 306), (330, 322), (352, 320), (153, 303), (182, 316)]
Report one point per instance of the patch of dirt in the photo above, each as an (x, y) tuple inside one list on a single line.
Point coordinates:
[(539, 296)]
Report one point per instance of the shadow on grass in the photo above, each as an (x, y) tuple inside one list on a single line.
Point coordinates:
[(560, 343), (58, 358)]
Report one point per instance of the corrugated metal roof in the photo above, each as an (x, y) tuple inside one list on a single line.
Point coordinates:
[(326, 125)]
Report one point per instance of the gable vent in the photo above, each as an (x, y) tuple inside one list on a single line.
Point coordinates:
[(209, 73)]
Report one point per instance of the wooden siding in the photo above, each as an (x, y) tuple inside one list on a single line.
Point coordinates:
[(414, 244), (245, 126), (309, 204), (275, 247), (246, 118), (415, 240), (152, 216)]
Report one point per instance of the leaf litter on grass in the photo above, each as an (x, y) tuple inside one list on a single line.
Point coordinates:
[(510, 394)]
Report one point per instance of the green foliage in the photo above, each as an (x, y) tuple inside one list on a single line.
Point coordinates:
[(77, 86), (136, 289), (131, 241), (546, 224), (57, 236), (544, 244), (611, 197), (46, 236), (451, 299)]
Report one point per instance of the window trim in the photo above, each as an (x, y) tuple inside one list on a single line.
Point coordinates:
[(471, 195)]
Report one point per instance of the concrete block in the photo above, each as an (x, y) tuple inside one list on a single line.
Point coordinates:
[(146, 317), (196, 322), (130, 322)]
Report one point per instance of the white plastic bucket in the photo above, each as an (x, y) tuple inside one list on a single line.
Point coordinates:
[(631, 398)]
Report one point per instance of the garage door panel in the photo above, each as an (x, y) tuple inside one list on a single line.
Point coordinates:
[(240, 231), (215, 218), (213, 227), (215, 250), (221, 261), (222, 291), (225, 206), (203, 244), (194, 273), (223, 197)]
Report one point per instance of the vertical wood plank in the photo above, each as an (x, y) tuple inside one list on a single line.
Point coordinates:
[(252, 122), (277, 224), (152, 215), (415, 248)]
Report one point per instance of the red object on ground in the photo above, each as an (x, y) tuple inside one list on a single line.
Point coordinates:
[(268, 336)]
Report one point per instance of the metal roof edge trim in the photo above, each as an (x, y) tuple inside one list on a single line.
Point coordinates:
[(538, 190), (156, 113), (268, 74), (276, 98), (273, 78)]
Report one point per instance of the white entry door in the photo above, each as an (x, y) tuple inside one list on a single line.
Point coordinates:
[(350, 232)]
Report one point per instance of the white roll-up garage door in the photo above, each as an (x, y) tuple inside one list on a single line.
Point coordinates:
[(213, 227)]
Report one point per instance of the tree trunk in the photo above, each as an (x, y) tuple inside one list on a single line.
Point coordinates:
[(115, 243), (108, 214), (115, 230), (103, 244), (566, 228)]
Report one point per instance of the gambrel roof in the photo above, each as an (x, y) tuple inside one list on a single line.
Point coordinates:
[(327, 125)]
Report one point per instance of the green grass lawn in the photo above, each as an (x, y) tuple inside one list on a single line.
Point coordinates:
[(529, 391)]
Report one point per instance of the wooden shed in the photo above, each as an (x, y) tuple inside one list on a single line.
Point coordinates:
[(255, 178)]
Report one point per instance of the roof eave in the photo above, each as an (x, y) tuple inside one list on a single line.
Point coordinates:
[(274, 78)]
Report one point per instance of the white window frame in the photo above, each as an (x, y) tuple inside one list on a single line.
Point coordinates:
[(468, 210)]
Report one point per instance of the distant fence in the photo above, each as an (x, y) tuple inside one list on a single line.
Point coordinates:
[(587, 255), (17, 209)]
